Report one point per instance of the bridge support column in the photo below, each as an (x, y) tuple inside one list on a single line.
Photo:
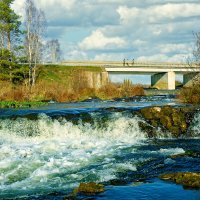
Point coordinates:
[(164, 81), (190, 78)]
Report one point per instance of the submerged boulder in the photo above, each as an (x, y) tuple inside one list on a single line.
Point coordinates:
[(89, 189), (187, 179), (118, 182), (189, 153)]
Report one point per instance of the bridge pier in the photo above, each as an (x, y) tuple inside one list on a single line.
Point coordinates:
[(190, 78), (164, 80)]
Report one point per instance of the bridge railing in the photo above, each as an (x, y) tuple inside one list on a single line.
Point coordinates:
[(126, 64)]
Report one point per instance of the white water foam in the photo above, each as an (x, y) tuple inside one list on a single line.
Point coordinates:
[(48, 154), (195, 127), (171, 151)]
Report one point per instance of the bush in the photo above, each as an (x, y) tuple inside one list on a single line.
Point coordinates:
[(190, 94)]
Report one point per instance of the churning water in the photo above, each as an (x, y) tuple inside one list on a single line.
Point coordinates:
[(54, 150)]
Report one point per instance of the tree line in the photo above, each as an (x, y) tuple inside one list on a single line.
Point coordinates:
[(23, 45)]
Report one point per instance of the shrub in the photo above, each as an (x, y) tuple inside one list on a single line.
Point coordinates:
[(190, 94)]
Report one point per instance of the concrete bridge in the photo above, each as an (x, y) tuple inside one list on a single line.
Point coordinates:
[(162, 74)]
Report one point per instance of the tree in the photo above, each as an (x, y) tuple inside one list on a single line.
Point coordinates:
[(194, 61), (9, 69), (35, 28), (192, 94), (9, 24), (53, 50), (6, 64), (196, 51)]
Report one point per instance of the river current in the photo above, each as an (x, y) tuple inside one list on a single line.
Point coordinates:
[(45, 153)]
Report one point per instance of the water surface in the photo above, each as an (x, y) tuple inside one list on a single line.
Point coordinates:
[(45, 153)]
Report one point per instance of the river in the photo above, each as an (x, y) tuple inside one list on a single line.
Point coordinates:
[(45, 153)]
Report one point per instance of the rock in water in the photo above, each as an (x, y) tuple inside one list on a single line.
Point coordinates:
[(90, 188), (187, 179), (174, 120)]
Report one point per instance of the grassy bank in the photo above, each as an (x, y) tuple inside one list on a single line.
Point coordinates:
[(63, 84), (17, 104), (61, 73)]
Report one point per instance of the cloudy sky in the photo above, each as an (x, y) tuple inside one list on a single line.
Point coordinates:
[(148, 30)]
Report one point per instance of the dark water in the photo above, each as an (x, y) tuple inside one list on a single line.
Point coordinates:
[(45, 153)]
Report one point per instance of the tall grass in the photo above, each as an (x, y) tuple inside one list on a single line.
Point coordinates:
[(68, 84), (45, 91)]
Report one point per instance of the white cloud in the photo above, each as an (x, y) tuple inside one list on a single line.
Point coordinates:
[(179, 58), (116, 29), (77, 55), (169, 48), (18, 6), (97, 40), (155, 14), (69, 4), (110, 56)]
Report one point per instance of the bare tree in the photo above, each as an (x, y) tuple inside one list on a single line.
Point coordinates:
[(196, 51), (35, 28), (53, 50), (40, 23), (193, 61)]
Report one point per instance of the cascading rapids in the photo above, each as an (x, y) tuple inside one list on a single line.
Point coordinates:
[(44, 155), (195, 125), (49, 153)]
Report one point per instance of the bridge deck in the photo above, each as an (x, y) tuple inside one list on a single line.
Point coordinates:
[(127, 64)]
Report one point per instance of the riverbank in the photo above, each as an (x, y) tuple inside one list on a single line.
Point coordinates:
[(16, 104), (67, 84), (75, 83)]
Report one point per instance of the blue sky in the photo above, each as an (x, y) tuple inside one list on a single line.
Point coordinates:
[(148, 30)]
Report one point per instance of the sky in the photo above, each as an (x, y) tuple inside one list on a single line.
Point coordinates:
[(146, 30)]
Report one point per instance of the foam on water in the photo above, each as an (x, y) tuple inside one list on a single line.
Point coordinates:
[(52, 154), (45, 155), (195, 127), (171, 151)]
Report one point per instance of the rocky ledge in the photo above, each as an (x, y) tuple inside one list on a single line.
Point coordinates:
[(89, 189), (167, 118), (187, 179)]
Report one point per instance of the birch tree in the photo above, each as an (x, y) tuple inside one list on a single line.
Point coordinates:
[(194, 60), (53, 50), (35, 28), (196, 51)]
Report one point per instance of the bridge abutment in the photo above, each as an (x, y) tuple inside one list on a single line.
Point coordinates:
[(190, 78), (164, 81)]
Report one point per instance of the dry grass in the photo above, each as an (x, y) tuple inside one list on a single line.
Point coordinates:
[(75, 90), (61, 93), (190, 94)]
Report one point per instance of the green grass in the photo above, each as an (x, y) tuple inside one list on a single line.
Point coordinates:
[(61, 73), (16, 104)]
